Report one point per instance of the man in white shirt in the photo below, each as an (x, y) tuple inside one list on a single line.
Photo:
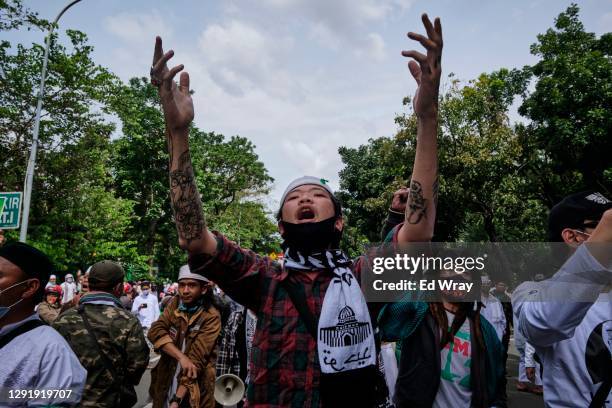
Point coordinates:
[(69, 289), (572, 333), (146, 307), (492, 308), (33, 355)]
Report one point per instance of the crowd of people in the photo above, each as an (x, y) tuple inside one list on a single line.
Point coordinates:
[(299, 332)]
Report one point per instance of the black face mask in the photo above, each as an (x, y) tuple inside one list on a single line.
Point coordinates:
[(311, 236)]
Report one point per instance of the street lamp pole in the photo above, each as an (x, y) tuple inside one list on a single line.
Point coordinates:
[(32, 161)]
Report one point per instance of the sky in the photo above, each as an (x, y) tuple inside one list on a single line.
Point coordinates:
[(301, 78)]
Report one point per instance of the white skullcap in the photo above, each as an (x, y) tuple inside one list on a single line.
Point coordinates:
[(304, 180), (185, 273)]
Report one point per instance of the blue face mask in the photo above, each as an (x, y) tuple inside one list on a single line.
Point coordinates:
[(145, 292), (5, 309)]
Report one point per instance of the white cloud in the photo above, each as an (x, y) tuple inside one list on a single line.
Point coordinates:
[(253, 80), (374, 49), (338, 22), (323, 35), (241, 59), (138, 27), (135, 35)]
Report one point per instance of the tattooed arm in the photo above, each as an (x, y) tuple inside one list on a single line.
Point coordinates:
[(178, 113), (423, 190)]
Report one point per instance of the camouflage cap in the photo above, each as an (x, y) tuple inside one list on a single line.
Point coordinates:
[(105, 273)]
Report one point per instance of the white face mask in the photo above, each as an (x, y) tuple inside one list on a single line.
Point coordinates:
[(69, 280), (586, 234), (5, 309)]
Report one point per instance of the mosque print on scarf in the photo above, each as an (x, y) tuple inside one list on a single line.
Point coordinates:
[(347, 332)]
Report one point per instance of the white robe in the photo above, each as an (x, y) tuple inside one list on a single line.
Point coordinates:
[(149, 314)]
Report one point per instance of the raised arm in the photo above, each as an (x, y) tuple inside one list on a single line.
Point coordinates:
[(178, 112), (549, 311), (420, 212)]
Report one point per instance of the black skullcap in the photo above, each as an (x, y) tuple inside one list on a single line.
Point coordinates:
[(105, 274), (573, 210), (30, 260)]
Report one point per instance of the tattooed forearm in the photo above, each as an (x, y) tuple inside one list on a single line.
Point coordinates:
[(170, 148), (436, 187), (186, 202), (416, 208)]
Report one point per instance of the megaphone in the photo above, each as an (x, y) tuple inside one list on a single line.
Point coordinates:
[(229, 389)]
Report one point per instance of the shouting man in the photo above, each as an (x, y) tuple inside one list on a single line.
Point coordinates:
[(314, 343)]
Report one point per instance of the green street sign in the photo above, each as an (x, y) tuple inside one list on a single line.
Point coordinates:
[(10, 210)]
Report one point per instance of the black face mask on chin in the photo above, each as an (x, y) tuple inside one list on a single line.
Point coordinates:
[(311, 236)]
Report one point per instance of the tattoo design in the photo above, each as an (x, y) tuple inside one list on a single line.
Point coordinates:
[(416, 209), (186, 202), (170, 150), (436, 187)]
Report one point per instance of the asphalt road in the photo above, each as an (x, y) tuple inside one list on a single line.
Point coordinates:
[(142, 390), (515, 398)]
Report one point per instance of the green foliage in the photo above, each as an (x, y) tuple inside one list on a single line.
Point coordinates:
[(372, 173), (14, 16), (96, 199), (483, 193), (75, 216), (225, 169), (497, 181), (570, 107), (250, 225), (483, 190)]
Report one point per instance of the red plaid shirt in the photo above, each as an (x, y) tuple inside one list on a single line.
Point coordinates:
[(284, 367)]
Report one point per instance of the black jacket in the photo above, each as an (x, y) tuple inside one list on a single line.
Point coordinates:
[(419, 370)]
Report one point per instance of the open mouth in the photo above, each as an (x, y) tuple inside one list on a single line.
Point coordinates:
[(305, 214)]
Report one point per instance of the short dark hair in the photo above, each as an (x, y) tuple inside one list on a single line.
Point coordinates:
[(32, 262)]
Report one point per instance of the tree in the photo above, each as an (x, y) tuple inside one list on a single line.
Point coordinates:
[(571, 120), (13, 16), (93, 198), (487, 195), (484, 193), (249, 224), (226, 169), (371, 174), (496, 180), (74, 213), (140, 163)]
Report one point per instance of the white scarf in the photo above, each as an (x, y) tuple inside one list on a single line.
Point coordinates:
[(345, 339)]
